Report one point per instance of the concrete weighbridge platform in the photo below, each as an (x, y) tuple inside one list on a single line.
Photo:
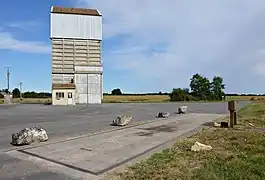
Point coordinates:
[(100, 153)]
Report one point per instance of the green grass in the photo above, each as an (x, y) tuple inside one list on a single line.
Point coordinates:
[(237, 153)]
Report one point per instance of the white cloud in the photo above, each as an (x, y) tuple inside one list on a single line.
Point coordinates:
[(9, 42), (25, 25), (208, 36)]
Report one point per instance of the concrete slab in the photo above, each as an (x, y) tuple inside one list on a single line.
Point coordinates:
[(103, 152)]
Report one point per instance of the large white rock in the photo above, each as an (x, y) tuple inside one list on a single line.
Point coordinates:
[(200, 147), (29, 135), (183, 109), (122, 120), (163, 115)]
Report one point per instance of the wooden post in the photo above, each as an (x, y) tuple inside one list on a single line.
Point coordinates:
[(235, 118), (232, 119), (231, 108)]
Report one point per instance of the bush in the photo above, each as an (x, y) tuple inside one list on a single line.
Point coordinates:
[(180, 95), (116, 92)]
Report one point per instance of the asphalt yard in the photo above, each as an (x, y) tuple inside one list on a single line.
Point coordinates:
[(83, 144)]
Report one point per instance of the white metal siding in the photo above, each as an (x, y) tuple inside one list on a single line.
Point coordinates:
[(88, 86), (88, 69), (75, 26)]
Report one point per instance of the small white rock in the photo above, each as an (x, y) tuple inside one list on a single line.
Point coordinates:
[(216, 124), (200, 147), (251, 124), (183, 109)]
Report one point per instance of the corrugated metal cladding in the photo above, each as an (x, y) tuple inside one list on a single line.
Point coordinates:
[(88, 88), (76, 26), (68, 53), (62, 78)]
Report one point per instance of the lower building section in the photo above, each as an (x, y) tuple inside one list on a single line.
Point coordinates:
[(63, 94), (85, 88)]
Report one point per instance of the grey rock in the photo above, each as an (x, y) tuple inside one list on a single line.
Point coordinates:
[(183, 109), (163, 114), (122, 120), (29, 135)]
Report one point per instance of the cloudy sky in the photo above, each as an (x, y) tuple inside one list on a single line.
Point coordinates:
[(148, 45)]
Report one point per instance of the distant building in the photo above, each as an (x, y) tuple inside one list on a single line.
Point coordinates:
[(76, 36), (8, 98)]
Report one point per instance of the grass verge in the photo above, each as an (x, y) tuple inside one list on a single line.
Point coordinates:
[(32, 100), (236, 154)]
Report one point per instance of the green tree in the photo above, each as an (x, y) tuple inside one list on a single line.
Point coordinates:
[(200, 87), (217, 88), (179, 94), (16, 93), (5, 90), (116, 92)]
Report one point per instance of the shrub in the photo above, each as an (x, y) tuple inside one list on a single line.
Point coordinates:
[(180, 95)]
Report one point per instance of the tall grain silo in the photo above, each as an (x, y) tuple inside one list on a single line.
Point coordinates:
[(76, 36)]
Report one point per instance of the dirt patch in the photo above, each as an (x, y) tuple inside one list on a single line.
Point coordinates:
[(162, 128), (145, 133)]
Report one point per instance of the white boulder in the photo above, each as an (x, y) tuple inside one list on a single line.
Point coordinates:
[(200, 147), (122, 120), (183, 109), (29, 135)]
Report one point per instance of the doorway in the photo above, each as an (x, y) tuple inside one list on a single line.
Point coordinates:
[(70, 98)]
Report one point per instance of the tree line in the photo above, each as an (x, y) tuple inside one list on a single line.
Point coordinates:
[(200, 88), (29, 94)]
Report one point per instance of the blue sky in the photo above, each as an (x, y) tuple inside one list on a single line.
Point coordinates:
[(148, 46)]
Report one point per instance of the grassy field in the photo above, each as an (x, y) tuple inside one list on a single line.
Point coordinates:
[(128, 99), (243, 98), (106, 99), (236, 154), (32, 100), (140, 98)]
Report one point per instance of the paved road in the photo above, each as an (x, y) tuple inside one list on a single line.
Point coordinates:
[(63, 122)]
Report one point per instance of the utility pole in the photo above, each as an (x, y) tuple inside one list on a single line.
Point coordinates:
[(8, 78), (20, 89)]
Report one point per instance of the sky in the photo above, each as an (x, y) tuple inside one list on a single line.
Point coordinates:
[(148, 45)]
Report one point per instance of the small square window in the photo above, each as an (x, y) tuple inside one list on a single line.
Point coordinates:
[(59, 95)]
